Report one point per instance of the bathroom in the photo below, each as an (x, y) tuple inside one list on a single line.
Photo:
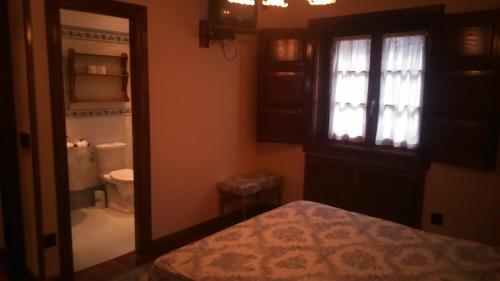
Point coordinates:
[(96, 69)]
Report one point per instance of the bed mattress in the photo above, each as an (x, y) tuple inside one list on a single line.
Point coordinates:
[(310, 241)]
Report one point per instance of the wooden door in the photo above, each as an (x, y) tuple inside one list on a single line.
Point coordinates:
[(10, 191)]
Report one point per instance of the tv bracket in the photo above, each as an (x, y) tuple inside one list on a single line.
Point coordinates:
[(208, 33)]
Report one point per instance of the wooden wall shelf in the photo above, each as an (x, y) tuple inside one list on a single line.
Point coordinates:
[(119, 62)]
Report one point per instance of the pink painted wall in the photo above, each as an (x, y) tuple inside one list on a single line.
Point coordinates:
[(469, 199), (202, 115), (299, 11), (203, 120)]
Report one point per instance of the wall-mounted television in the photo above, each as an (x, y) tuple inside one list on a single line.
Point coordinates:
[(228, 16)]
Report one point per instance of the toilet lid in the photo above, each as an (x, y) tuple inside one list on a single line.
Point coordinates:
[(125, 175)]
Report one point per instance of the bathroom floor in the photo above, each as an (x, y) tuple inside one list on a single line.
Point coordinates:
[(100, 235)]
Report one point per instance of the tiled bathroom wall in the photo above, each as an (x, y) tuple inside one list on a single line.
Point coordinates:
[(96, 122), (96, 130)]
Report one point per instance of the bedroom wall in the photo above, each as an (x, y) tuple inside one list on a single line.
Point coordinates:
[(299, 11), (467, 198), (202, 111), (203, 116)]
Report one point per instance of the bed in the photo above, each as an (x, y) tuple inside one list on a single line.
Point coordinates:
[(310, 241)]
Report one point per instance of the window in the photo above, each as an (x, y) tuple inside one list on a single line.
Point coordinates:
[(399, 100), (401, 91), (350, 73)]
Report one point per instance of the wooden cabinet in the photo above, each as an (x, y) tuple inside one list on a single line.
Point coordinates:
[(390, 194), (330, 182), (283, 80), (466, 101), (359, 186)]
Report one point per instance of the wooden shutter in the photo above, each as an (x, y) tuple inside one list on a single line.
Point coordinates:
[(283, 55), (466, 102)]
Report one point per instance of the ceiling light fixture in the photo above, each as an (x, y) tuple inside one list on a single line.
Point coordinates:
[(321, 2), (276, 3), (243, 2), (280, 3)]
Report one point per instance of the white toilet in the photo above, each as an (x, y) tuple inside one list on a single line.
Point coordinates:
[(119, 181)]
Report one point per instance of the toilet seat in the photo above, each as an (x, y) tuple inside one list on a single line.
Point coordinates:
[(123, 176)]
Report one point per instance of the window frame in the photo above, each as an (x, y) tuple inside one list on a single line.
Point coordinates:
[(374, 87), (376, 25)]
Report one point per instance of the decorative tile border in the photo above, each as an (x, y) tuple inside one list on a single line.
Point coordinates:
[(90, 34), (101, 112)]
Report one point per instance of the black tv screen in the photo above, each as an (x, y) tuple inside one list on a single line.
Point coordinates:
[(226, 15)]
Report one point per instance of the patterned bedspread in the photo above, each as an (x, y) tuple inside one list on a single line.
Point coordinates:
[(310, 241)]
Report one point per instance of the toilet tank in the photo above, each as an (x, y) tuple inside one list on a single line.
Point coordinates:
[(110, 157)]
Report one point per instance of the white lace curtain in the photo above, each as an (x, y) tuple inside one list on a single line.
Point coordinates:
[(349, 89), (401, 91)]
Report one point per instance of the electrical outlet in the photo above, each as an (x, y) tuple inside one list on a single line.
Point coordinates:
[(49, 240), (437, 219)]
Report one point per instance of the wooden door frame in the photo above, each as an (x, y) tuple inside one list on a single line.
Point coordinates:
[(10, 189), (137, 16)]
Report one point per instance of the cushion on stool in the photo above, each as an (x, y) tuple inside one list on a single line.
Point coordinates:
[(250, 183)]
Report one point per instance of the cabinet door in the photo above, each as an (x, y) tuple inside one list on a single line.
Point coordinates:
[(463, 142), (282, 85), (330, 182), (282, 124), (469, 40), (390, 195)]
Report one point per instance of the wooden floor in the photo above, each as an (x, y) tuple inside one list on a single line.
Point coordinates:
[(115, 267), (3, 274), (126, 263), (101, 272)]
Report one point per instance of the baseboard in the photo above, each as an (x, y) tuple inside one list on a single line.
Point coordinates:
[(194, 233)]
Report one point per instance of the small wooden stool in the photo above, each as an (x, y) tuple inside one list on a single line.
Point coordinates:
[(249, 185)]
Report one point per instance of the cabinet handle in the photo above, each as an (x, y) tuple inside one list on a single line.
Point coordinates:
[(372, 107)]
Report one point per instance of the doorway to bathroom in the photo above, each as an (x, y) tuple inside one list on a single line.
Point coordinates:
[(98, 72), (96, 52)]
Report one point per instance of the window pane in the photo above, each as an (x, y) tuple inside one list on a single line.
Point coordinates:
[(401, 91), (285, 50), (349, 88)]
